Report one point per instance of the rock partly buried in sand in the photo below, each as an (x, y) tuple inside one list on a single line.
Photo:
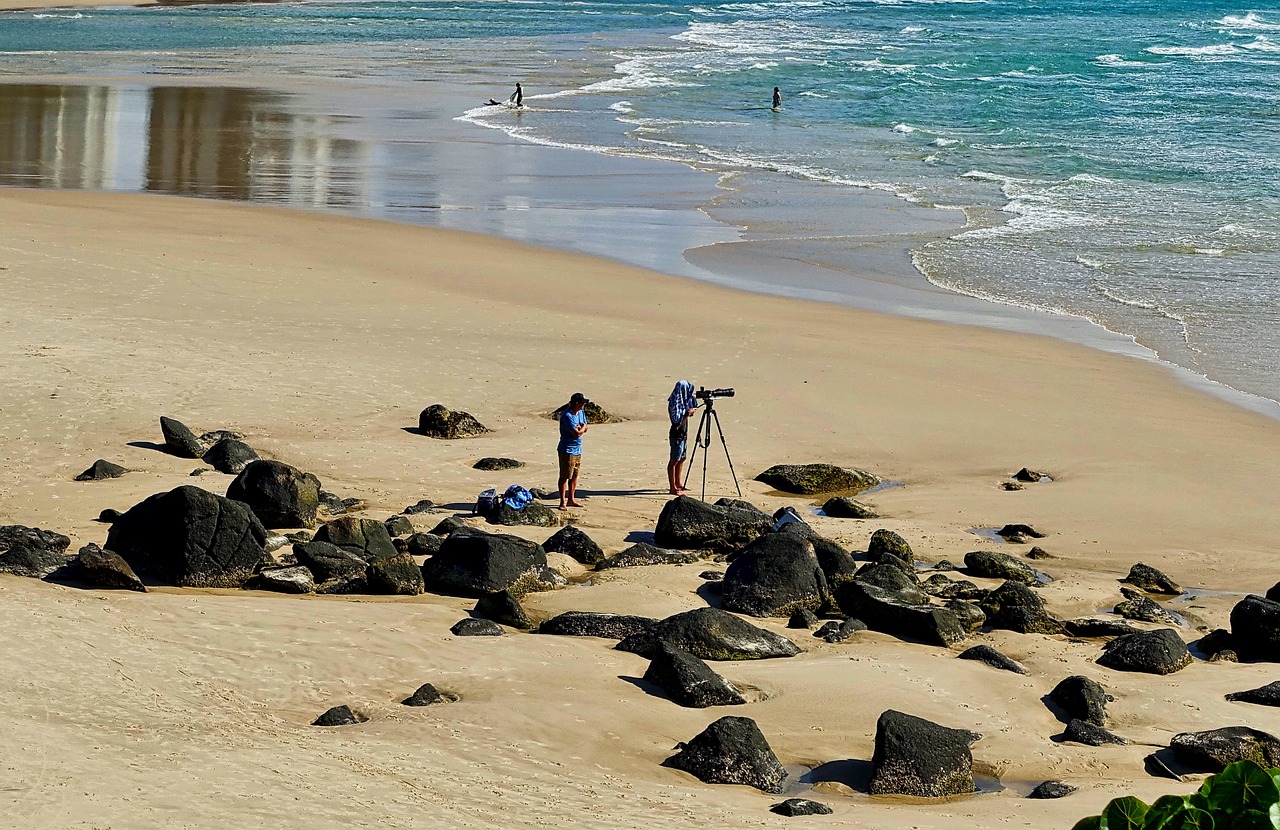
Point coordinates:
[(942, 588), (837, 564), (470, 564), (596, 414), (886, 541), (1139, 607), (1011, 530), (1028, 475), (1039, 553), (424, 544), (1273, 593), (327, 561), (1083, 732), (1015, 607), (191, 538), (991, 565), (836, 631), (1214, 749), (438, 422), (533, 514), (971, 617), (450, 525), (731, 751), (687, 523), (573, 542), (802, 618), (793, 807), (366, 538), (774, 576), (109, 515), (1092, 627), (278, 494), (503, 609), (396, 575), (337, 716), (32, 552), (398, 526), (1268, 695), (1151, 580), (1051, 789), (808, 479), (103, 569), (689, 681), (1255, 628), (916, 757), (843, 507), (230, 456), (101, 470), (643, 553), (1153, 652), (420, 506), (472, 627), (993, 658), (711, 634), (887, 601), (179, 440), (296, 579), (1081, 699), (424, 695), (592, 624), (494, 464)]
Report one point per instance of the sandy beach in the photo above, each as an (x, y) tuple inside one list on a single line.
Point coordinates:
[(321, 338)]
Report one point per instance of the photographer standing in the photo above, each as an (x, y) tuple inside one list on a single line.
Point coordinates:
[(573, 425), (680, 405)]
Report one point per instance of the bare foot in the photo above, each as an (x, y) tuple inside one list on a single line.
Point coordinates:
[(561, 507), (574, 504), (674, 492)]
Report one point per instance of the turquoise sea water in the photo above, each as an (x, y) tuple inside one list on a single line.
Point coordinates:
[(1116, 161)]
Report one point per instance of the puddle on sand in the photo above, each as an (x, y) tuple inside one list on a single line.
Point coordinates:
[(1194, 594), (988, 534), (882, 486)]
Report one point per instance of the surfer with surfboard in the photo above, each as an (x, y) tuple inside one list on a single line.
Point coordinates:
[(516, 99)]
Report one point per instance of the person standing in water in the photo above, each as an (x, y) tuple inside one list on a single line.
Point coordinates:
[(777, 98), (517, 97)]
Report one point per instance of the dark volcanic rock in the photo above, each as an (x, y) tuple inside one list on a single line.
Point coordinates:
[(191, 538), (1039, 553), (366, 538), (1090, 627), (1139, 607), (837, 564), (425, 695), (451, 524), (1020, 530), (280, 495), (297, 579), (398, 526), (900, 613), (1217, 640), (1268, 695), (1083, 732), (1051, 789), (993, 658), (1082, 699), (1016, 607), (230, 456), (992, 565), (495, 464), (808, 479), (213, 436), (504, 609), (1028, 475), (837, 632), (774, 576), (802, 618), (1255, 628), (1216, 748), (327, 561), (32, 552), (396, 575), (1151, 580), (687, 523), (590, 624), (573, 542), (421, 506), (886, 541), (355, 583), (916, 757), (337, 716), (109, 515), (533, 514), (424, 544), (711, 634), (473, 627), (843, 507), (689, 681), (179, 440), (476, 564), (596, 414), (793, 807), (731, 751), (104, 569), (1153, 652), (437, 422), (971, 617), (643, 553), (101, 470)]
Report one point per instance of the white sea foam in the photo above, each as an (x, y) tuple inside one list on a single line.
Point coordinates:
[(624, 107), (1250, 21), (912, 30), (945, 142), (903, 128), (48, 15), (1212, 51), (1119, 62)]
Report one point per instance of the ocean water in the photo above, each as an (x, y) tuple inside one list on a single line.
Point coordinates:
[(1119, 162)]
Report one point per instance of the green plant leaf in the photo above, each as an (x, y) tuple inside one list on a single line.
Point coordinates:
[(1125, 813), (1246, 820), (1240, 787), (1090, 823), (1164, 809), (1192, 818), (1273, 813)]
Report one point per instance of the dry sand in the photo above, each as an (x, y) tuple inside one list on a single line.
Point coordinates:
[(322, 338)]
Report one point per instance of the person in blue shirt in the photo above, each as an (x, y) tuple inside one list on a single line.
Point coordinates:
[(573, 425), (680, 405)]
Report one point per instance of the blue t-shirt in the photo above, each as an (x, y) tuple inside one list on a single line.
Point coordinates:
[(570, 443)]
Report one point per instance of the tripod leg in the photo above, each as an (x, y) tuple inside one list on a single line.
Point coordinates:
[(706, 448), (724, 444), (697, 435)]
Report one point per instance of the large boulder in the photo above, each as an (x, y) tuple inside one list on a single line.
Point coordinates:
[(807, 479), (592, 624), (533, 514), (438, 422), (687, 523), (1083, 732), (1255, 628), (731, 751), (1093, 627), (994, 659), (470, 564), (295, 579), (32, 552), (366, 538), (1153, 652), (423, 544), (101, 470), (504, 609), (843, 507), (711, 634), (1216, 748), (689, 681), (775, 575), (1016, 607), (1268, 695), (396, 575), (1081, 699), (886, 541), (916, 757), (643, 553), (179, 440), (1151, 580), (191, 538), (905, 614), (1137, 606), (573, 542), (230, 456), (992, 565), (327, 561), (279, 495), (104, 569)]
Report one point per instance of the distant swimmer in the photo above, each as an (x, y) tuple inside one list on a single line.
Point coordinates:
[(777, 98)]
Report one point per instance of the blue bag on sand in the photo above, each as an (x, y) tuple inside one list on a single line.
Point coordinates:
[(516, 497), (486, 501)]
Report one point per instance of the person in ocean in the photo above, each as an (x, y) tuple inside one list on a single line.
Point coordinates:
[(680, 405), (777, 98), (517, 97)]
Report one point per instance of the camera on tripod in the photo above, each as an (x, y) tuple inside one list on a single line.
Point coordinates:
[(704, 394)]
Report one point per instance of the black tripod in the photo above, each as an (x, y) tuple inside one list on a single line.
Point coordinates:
[(702, 438)]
